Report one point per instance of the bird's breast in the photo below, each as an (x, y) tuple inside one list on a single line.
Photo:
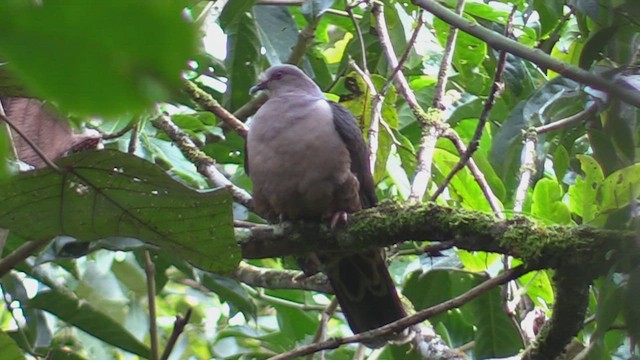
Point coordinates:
[(297, 159)]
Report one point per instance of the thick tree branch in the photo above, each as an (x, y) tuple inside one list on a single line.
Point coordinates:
[(538, 246), (572, 298), (536, 56)]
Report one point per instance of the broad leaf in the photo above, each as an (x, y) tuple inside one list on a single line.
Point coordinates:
[(101, 194), (548, 204), (8, 348), (81, 314), (62, 48)]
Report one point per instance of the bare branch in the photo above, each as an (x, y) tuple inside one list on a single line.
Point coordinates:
[(527, 170), (205, 165), (425, 160), (403, 323), (376, 111), (281, 279), (20, 254), (583, 115), (445, 64), (466, 155), (178, 328), (150, 272), (493, 200), (208, 103)]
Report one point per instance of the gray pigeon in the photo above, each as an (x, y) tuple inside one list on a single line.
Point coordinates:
[(308, 161)]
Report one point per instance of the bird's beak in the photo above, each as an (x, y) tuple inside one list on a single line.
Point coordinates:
[(257, 87)]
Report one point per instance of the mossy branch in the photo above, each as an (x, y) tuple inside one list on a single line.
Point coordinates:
[(589, 249)]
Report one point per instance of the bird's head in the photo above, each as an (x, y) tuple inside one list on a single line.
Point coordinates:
[(285, 79)]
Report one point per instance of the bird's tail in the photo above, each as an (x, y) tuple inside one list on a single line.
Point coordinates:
[(365, 291)]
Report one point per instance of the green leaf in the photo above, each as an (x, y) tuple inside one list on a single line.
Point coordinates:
[(547, 203), (496, 335), (97, 57), (425, 289), (81, 314), (538, 287), (296, 324), (560, 162), (277, 30), (100, 194), (8, 348), (619, 188), (582, 194), (231, 292), (550, 12), (243, 47)]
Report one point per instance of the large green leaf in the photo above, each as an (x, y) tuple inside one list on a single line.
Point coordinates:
[(547, 203), (277, 30), (496, 335), (243, 46), (83, 315), (97, 57), (619, 188), (8, 348), (101, 194)]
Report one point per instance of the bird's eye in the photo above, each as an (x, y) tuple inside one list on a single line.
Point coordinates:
[(278, 75)]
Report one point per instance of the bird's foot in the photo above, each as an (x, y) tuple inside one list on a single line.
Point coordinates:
[(339, 218)]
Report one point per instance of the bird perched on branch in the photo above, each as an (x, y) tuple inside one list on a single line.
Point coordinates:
[(308, 160)]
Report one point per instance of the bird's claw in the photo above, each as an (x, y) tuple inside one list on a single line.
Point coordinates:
[(339, 218)]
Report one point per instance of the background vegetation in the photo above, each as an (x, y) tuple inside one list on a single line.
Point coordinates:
[(507, 151)]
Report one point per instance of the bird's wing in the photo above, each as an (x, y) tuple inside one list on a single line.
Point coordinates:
[(351, 135)]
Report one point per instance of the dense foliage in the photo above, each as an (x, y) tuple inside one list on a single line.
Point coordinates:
[(525, 123)]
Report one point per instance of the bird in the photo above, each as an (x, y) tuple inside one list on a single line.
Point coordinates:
[(308, 161)]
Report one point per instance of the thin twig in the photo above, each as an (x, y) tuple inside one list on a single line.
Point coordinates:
[(405, 55), (424, 159), (527, 170), (178, 328), (259, 294), (133, 139), (492, 199), (376, 110), (150, 271), (321, 333), (496, 89), (20, 254), (583, 115), (31, 144), (445, 64), (363, 50), (21, 329), (430, 129), (208, 103), (401, 81), (204, 164), (405, 322), (280, 279)]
